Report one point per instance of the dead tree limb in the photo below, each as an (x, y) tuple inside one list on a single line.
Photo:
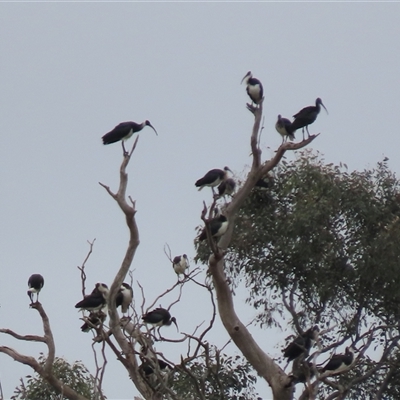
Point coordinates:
[(262, 363), (45, 371)]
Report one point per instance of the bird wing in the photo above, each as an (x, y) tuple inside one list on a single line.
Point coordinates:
[(210, 177), (118, 133)]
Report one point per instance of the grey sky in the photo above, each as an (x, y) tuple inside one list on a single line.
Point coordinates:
[(71, 71)]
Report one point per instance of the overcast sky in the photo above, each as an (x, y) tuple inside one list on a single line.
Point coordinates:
[(71, 71)]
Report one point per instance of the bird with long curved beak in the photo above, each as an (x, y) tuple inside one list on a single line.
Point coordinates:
[(124, 131), (158, 318), (306, 116)]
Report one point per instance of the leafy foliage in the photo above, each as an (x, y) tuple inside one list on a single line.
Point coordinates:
[(219, 377), (74, 375), (329, 235)]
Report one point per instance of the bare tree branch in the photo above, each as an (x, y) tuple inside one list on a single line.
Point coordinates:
[(263, 364)]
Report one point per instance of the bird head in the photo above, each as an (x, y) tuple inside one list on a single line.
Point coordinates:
[(173, 320), (279, 117), (247, 77), (319, 102), (147, 122), (102, 288)]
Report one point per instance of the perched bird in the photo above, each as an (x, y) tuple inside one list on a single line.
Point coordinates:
[(212, 178), (95, 318), (284, 127), (180, 263), (218, 227), (35, 284), (96, 300), (307, 116), (254, 88), (124, 297), (226, 187), (159, 317), (339, 362), (148, 368), (304, 373), (124, 131), (302, 344)]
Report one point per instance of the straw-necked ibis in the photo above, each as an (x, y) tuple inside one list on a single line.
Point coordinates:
[(180, 264), (94, 319), (96, 300), (307, 116), (218, 227), (302, 344), (124, 297), (124, 131), (148, 367), (159, 317), (339, 362), (284, 127), (254, 88), (212, 178), (35, 284), (303, 374), (226, 187)]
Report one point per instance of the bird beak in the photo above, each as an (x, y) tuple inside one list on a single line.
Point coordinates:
[(177, 329), (324, 107), (154, 129), (248, 74)]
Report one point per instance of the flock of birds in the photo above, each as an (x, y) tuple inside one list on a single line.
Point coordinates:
[(96, 301), (306, 116), (300, 347)]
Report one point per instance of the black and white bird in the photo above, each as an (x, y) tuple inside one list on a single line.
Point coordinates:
[(218, 227), (96, 300), (148, 368), (180, 264), (339, 362), (212, 178), (254, 88), (159, 317), (124, 131), (124, 297), (302, 344), (226, 187), (284, 127), (95, 318), (307, 116), (35, 284)]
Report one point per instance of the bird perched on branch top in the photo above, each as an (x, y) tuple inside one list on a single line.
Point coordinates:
[(307, 116), (254, 88), (35, 284), (124, 131)]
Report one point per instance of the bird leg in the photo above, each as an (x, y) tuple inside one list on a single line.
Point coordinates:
[(123, 149), (307, 131)]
